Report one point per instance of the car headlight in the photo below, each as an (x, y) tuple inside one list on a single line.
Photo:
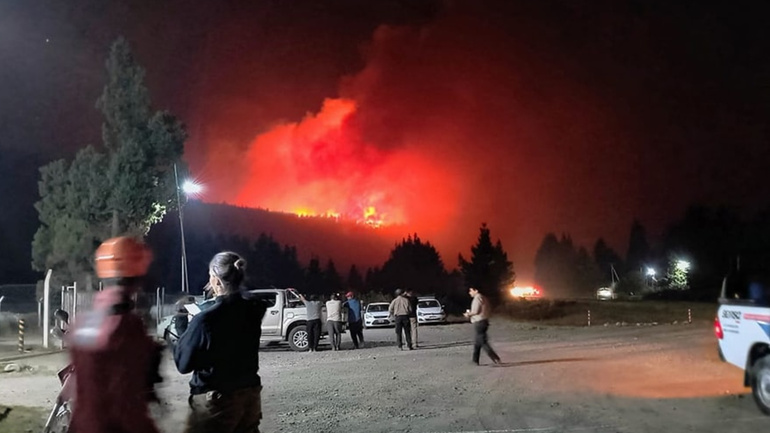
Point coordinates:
[(368, 316), (419, 313)]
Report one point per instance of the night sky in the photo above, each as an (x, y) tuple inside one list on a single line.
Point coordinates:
[(531, 116)]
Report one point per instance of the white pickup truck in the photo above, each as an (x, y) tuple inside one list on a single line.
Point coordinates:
[(284, 320), (742, 327)]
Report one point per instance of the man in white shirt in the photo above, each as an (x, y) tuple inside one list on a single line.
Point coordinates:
[(479, 315), (334, 321)]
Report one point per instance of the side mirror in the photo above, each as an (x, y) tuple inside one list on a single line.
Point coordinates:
[(62, 315)]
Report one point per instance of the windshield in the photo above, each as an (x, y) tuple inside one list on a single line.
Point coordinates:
[(376, 308), (428, 304)]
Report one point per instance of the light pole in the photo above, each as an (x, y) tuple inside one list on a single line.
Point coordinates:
[(188, 187)]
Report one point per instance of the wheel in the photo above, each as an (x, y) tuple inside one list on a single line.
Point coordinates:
[(60, 419), (760, 384), (298, 338)]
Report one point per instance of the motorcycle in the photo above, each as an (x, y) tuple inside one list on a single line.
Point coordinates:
[(59, 419)]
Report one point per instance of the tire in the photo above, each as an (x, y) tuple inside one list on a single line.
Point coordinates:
[(760, 383), (298, 338)]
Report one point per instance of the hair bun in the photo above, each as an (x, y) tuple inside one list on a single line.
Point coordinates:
[(239, 264)]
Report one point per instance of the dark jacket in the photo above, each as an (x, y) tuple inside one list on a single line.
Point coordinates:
[(221, 346), (413, 302)]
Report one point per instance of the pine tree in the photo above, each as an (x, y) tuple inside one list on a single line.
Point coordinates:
[(355, 281), (414, 264), (123, 190), (489, 269), (638, 248)]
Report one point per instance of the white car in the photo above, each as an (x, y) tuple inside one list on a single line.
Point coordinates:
[(606, 294), (430, 310), (376, 314)]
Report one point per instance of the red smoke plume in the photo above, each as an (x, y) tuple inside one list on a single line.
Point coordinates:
[(446, 126)]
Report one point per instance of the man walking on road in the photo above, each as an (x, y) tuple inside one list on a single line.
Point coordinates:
[(413, 301), (479, 315), (355, 319), (400, 308)]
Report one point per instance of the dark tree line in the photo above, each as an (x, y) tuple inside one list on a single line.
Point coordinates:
[(711, 240), (413, 264)]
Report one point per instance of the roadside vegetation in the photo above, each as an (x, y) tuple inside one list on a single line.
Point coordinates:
[(20, 419), (627, 313)]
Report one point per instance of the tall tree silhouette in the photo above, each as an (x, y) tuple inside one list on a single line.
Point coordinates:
[(355, 281), (638, 253), (332, 278), (488, 269), (605, 258), (123, 188), (414, 264), (314, 278)]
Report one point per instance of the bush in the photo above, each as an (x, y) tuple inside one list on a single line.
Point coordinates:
[(537, 310)]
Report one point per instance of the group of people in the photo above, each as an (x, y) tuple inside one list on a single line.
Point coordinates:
[(336, 311), (404, 309), (116, 363)]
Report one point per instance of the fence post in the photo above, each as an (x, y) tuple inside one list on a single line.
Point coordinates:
[(21, 335), (689, 315), (589, 317)]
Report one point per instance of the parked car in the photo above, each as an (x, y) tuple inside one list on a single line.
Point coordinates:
[(284, 320), (376, 315), (430, 310), (606, 294)]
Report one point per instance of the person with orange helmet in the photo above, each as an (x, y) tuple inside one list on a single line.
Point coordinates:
[(116, 363)]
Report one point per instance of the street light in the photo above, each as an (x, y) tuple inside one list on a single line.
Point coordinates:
[(682, 265), (650, 272), (189, 188)]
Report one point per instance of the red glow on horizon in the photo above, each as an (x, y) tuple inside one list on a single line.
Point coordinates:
[(322, 167)]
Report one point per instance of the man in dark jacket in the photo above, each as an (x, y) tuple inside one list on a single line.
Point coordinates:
[(355, 319)]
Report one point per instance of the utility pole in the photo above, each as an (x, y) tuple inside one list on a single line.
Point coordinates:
[(185, 282)]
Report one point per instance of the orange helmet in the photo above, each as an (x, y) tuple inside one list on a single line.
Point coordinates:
[(122, 257)]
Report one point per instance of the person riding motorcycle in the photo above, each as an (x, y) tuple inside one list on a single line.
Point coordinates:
[(115, 360)]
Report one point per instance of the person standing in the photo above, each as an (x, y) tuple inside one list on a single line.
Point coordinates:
[(355, 319), (313, 306), (334, 320), (413, 301), (113, 394), (221, 349), (400, 308), (479, 316)]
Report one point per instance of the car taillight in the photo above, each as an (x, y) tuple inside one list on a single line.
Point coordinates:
[(718, 329)]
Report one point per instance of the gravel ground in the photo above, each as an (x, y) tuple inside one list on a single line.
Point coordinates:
[(663, 378)]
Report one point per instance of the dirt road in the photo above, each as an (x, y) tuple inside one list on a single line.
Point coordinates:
[(663, 378)]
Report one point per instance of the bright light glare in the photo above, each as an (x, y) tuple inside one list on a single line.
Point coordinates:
[(683, 265), (192, 188), (651, 272), (525, 292)]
